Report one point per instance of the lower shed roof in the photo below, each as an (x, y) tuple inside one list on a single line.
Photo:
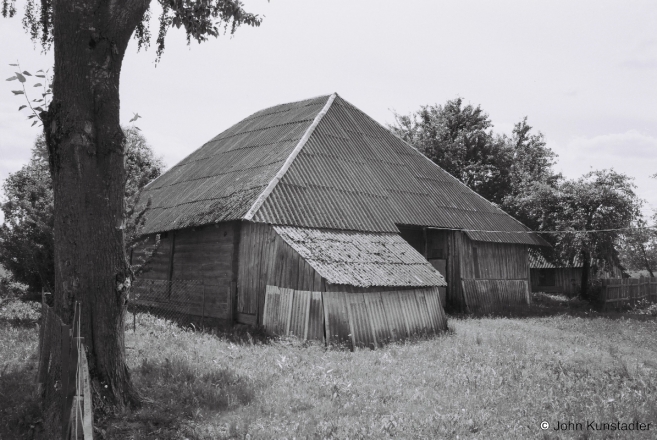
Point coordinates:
[(364, 259)]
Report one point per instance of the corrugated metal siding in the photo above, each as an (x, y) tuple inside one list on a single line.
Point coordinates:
[(354, 174), (361, 259), (370, 319)]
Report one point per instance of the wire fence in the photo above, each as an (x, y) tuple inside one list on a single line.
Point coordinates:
[(186, 302)]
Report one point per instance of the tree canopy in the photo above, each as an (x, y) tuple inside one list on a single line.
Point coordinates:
[(460, 139)]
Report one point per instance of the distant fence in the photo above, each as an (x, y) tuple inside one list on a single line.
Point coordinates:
[(489, 296), (627, 291), (61, 344), (358, 319), (184, 301)]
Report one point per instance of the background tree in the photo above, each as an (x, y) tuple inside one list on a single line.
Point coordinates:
[(638, 248), (599, 200), (27, 236), (460, 139), (86, 148), (532, 165)]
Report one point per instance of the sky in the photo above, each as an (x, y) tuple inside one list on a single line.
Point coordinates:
[(584, 73)]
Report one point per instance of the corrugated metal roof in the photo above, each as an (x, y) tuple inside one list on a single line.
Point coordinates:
[(363, 259), (538, 261), (351, 173), (221, 180), (354, 174)]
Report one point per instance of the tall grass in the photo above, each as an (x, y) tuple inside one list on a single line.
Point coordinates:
[(19, 411), (486, 378), (489, 378)]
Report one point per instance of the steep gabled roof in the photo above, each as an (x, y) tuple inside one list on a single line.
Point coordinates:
[(320, 163)]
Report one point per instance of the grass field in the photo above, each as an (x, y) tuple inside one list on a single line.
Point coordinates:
[(487, 378)]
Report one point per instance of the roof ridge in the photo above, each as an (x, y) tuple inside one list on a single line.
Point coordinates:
[(288, 162)]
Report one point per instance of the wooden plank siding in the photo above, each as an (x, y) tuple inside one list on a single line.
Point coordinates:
[(197, 271), (567, 280), (265, 259)]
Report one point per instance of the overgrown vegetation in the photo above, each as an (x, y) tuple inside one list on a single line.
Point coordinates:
[(486, 378), (489, 378)]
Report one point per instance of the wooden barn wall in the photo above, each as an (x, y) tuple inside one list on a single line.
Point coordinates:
[(159, 264), (497, 261), (198, 263), (264, 258), (567, 281)]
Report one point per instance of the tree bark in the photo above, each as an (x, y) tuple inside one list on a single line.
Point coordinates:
[(586, 269), (86, 153)]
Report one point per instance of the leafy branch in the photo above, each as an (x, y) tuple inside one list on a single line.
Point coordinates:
[(39, 104)]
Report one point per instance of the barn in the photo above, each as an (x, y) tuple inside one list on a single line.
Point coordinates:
[(311, 218)]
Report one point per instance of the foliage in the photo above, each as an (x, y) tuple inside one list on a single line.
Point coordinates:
[(200, 19), (638, 248), (599, 200), (19, 312), (35, 106), (460, 139), (26, 238)]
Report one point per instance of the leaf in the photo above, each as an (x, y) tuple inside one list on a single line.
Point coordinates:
[(15, 65), (138, 129), (31, 116), (39, 108), (40, 70), (12, 78), (17, 92), (40, 76), (135, 117), (33, 123), (21, 107), (25, 72), (37, 84), (20, 77)]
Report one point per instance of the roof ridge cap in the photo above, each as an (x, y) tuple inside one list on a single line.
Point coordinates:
[(288, 162)]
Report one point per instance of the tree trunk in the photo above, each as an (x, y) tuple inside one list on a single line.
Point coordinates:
[(86, 153), (586, 269)]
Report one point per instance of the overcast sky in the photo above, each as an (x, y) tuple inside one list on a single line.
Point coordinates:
[(584, 73)]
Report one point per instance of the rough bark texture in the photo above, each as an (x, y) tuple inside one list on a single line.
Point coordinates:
[(86, 148), (586, 270)]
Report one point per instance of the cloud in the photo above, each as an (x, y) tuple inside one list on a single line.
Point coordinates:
[(632, 143)]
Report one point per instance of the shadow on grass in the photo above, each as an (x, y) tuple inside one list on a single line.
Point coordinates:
[(177, 394), (19, 404), (546, 305)]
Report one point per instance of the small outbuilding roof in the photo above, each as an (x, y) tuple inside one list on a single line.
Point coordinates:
[(362, 259), (320, 163)]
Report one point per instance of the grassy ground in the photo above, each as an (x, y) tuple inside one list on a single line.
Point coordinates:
[(19, 412), (488, 378)]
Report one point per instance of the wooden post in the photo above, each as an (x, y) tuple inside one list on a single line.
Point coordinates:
[(65, 349)]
